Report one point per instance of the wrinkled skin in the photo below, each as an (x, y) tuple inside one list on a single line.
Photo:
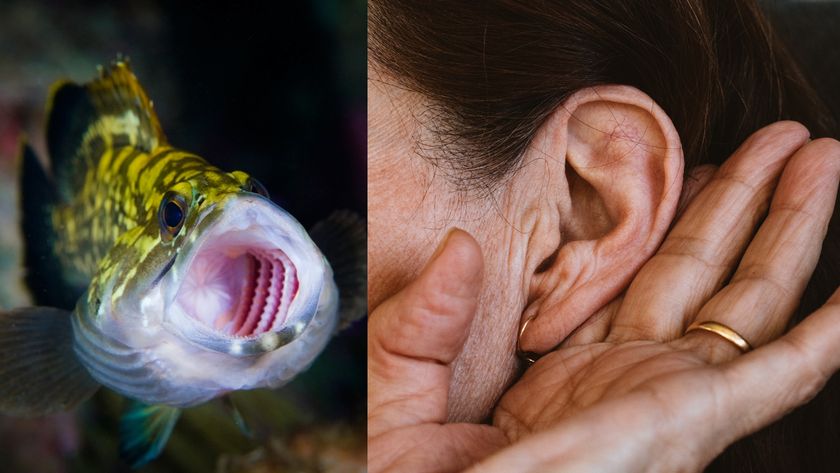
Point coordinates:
[(629, 391)]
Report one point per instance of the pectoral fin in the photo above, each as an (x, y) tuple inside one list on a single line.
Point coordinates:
[(39, 372), (144, 431), (342, 237)]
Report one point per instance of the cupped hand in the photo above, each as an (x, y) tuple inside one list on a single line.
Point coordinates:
[(632, 391)]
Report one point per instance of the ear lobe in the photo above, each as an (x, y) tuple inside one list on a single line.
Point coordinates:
[(624, 165)]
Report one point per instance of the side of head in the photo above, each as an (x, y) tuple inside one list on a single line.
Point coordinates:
[(500, 119)]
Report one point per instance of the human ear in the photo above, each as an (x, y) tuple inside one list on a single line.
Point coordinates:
[(623, 166)]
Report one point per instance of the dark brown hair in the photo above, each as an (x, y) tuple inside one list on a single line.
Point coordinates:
[(493, 71)]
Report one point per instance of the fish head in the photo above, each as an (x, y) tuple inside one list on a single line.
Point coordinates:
[(234, 272)]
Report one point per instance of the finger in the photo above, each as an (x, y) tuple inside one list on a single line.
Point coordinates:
[(703, 247), (695, 181), (768, 284), (784, 374), (414, 335)]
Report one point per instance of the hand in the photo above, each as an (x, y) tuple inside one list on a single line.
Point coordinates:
[(630, 391), (412, 338)]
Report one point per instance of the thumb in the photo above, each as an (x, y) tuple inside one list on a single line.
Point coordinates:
[(415, 334)]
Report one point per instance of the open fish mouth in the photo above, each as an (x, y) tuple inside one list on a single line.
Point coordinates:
[(246, 280), (238, 286)]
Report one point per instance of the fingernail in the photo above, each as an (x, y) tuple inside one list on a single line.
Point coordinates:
[(442, 244)]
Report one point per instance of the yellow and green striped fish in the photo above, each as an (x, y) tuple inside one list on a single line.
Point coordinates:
[(160, 276)]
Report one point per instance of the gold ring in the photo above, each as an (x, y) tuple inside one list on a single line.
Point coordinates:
[(724, 331)]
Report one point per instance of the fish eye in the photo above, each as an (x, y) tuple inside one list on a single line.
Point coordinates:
[(256, 187), (171, 215)]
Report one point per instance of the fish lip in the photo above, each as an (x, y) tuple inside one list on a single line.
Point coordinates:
[(307, 259)]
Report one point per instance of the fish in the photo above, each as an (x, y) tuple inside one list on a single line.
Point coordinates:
[(159, 276)]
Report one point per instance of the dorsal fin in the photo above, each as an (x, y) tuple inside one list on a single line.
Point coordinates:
[(84, 120)]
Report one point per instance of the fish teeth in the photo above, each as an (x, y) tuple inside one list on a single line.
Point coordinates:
[(275, 291), (257, 299), (288, 292)]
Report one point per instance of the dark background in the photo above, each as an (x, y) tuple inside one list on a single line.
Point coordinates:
[(810, 29), (274, 89)]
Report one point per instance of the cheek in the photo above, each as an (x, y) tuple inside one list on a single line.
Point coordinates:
[(405, 224), (387, 270), (398, 246)]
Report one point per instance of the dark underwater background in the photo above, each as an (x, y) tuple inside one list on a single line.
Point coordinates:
[(276, 90)]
